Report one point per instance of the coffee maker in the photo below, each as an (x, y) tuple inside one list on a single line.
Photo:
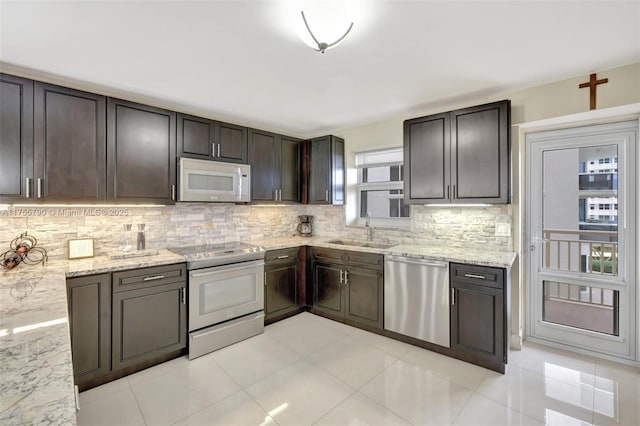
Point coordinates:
[(304, 225)]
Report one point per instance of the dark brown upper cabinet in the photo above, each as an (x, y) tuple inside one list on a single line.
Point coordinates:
[(275, 167), (141, 160), (16, 139), (211, 140), (459, 156), (325, 164), (69, 145)]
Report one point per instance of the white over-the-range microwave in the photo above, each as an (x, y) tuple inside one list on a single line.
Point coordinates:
[(213, 181)]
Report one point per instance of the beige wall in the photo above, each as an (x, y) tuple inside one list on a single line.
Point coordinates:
[(535, 103)]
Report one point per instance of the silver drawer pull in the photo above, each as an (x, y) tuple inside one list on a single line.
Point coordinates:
[(285, 256), (479, 277), (453, 297), (153, 277)]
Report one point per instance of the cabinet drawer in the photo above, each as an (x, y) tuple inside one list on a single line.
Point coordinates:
[(477, 275), (148, 277), (328, 255), (368, 260), (281, 255)]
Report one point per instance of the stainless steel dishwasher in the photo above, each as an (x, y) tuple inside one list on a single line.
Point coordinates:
[(416, 298)]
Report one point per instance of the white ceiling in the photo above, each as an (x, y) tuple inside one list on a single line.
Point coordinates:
[(242, 61)]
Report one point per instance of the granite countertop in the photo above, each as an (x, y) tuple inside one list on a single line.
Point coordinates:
[(35, 348), (450, 254)]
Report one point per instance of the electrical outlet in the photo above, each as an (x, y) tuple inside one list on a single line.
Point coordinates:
[(503, 230)]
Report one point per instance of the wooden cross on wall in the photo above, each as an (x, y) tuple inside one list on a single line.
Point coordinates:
[(591, 84)]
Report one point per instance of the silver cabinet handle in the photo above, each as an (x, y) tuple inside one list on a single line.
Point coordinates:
[(448, 197), (27, 189), (275, 195), (153, 278), (77, 397), (341, 276), (213, 149), (476, 276), (39, 188), (453, 296), (346, 277), (285, 256), (265, 279), (279, 194), (218, 150), (326, 195), (173, 192), (183, 295)]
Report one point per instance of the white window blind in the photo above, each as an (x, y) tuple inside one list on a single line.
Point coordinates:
[(384, 157)]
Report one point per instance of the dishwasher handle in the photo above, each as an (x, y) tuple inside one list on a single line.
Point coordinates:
[(417, 261)]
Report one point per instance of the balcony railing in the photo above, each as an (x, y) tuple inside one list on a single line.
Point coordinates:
[(592, 252)]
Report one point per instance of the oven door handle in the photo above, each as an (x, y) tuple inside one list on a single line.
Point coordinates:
[(217, 269)]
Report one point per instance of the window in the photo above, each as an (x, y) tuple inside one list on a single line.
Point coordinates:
[(380, 185)]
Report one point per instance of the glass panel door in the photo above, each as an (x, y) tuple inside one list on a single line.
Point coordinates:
[(581, 289)]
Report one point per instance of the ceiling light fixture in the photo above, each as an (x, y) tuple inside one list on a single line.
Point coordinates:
[(322, 46)]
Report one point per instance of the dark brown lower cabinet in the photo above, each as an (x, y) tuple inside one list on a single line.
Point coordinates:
[(123, 322), (480, 315), (327, 288), (148, 320), (364, 290), (349, 286), (89, 301), (281, 274)]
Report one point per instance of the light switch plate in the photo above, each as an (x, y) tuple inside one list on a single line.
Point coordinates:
[(503, 230)]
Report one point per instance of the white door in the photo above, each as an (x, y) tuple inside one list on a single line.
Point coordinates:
[(581, 226)]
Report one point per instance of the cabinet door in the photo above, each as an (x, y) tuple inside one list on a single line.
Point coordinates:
[(89, 301), (16, 139), (427, 159), (320, 171), (141, 153), (195, 137), (281, 284), (477, 322), (264, 160), (365, 296), (69, 145), (337, 170), (290, 169), (327, 288), (148, 323), (480, 139), (231, 143)]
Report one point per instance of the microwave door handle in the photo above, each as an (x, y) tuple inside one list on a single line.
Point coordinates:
[(239, 193)]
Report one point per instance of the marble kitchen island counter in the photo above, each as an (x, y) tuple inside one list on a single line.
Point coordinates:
[(36, 373)]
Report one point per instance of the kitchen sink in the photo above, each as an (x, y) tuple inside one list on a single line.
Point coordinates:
[(360, 244)]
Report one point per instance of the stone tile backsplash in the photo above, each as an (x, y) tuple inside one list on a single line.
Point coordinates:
[(192, 224)]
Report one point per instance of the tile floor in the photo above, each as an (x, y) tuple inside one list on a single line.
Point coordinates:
[(309, 370)]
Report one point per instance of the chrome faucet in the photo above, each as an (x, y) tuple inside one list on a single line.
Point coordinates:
[(367, 225)]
